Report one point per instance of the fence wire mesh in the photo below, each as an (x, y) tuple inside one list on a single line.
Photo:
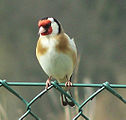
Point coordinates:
[(58, 86)]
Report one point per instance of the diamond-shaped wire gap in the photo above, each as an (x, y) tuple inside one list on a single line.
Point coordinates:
[(33, 114), (85, 102), (91, 97), (39, 95), (26, 106)]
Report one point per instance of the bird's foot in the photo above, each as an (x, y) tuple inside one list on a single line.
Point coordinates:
[(48, 82), (68, 84)]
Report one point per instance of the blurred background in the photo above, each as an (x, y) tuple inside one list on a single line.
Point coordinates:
[(99, 30)]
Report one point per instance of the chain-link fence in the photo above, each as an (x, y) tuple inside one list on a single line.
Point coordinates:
[(106, 85)]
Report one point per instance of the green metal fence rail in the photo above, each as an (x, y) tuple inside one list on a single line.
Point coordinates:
[(106, 85)]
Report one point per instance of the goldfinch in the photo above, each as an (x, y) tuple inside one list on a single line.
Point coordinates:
[(57, 54)]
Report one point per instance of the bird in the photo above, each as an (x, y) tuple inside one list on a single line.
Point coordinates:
[(57, 55)]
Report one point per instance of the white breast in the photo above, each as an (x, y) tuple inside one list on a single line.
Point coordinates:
[(55, 64)]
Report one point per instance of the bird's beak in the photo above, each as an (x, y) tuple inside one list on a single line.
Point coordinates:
[(41, 30)]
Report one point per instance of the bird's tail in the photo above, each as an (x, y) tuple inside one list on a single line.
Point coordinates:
[(65, 100)]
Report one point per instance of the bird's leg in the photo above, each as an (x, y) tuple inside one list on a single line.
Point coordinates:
[(68, 84), (48, 82)]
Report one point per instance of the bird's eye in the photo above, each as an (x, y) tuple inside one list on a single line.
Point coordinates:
[(47, 25)]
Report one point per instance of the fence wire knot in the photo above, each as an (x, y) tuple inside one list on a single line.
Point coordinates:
[(58, 86)]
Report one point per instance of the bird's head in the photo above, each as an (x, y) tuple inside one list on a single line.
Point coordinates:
[(49, 26)]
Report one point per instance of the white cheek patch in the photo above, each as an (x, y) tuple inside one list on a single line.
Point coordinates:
[(55, 28)]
